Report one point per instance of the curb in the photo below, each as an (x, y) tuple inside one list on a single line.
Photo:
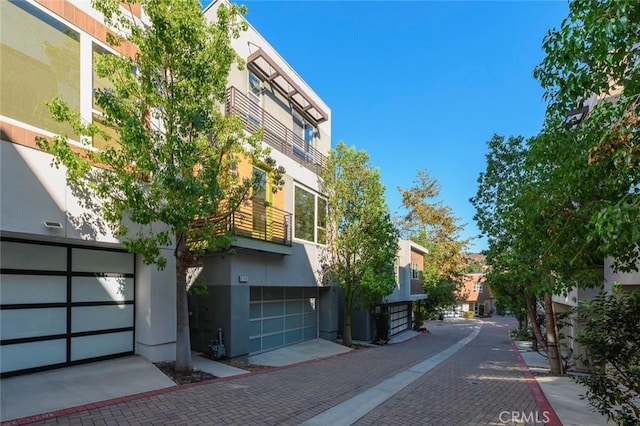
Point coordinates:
[(538, 395)]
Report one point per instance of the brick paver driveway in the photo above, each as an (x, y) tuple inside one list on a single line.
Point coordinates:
[(475, 386)]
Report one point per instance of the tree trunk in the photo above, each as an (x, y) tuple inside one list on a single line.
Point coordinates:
[(346, 337), (531, 313), (553, 348), (346, 332), (183, 338)]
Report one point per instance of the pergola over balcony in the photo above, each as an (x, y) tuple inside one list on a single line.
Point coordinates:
[(263, 65)]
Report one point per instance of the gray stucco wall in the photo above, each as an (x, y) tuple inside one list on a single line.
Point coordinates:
[(328, 315)]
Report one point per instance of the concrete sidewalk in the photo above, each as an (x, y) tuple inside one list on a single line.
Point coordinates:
[(49, 391), (563, 393)]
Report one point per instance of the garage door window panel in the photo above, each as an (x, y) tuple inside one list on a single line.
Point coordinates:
[(34, 257), (102, 289), (23, 356), (101, 345), (27, 323), (25, 289), (93, 318)]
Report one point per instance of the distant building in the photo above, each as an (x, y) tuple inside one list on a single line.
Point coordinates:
[(406, 295)]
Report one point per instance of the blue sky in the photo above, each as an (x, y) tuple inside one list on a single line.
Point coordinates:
[(419, 85)]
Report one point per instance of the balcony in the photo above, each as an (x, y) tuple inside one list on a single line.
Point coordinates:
[(275, 134), (417, 287), (259, 222), (256, 226)]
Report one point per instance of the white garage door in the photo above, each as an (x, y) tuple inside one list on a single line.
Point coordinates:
[(281, 316), (398, 318), (63, 305)]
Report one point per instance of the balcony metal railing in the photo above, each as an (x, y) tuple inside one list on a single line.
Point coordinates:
[(256, 221), (260, 222), (275, 134)]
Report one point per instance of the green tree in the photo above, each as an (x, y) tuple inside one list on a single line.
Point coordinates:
[(592, 59), (362, 242), (167, 176), (536, 229), (428, 222), (443, 294), (610, 336)]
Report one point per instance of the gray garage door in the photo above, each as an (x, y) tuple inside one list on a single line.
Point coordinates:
[(63, 305), (281, 316)]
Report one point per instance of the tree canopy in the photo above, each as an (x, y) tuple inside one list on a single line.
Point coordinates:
[(555, 205), (167, 173), (362, 242)]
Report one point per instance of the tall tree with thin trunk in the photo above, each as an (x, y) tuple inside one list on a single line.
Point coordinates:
[(167, 176), (362, 242)]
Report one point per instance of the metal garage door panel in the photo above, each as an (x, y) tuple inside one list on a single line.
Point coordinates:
[(281, 316)]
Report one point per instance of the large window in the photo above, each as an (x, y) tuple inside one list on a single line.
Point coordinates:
[(310, 216), (43, 58), (40, 59)]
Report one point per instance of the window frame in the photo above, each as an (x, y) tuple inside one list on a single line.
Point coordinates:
[(316, 224), (415, 271)]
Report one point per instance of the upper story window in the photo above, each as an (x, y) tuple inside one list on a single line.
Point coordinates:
[(96, 112), (478, 287), (415, 271), (255, 96), (305, 134), (40, 59), (310, 213)]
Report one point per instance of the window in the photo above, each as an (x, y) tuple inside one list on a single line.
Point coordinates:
[(321, 221), (478, 287), (255, 96), (305, 133), (415, 271), (40, 59), (310, 213), (396, 272), (96, 112), (259, 204)]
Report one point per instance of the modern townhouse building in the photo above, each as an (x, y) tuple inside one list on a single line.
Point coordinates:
[(268, 293), (569, 328), (409, 291), (69, 293)]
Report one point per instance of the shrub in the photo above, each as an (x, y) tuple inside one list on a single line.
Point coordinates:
[(610, 337), (469, 314), (382, 327)]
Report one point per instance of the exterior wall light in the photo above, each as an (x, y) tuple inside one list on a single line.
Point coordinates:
[(52, 225)]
